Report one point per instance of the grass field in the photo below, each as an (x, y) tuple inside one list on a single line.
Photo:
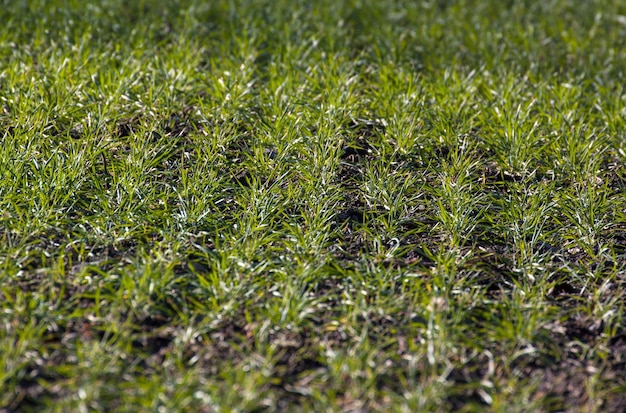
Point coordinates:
[(332, 205)]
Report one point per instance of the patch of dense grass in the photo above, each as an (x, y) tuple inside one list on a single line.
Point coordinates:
[(330, 205)]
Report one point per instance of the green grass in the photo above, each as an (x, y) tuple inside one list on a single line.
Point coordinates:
[(321, 206)]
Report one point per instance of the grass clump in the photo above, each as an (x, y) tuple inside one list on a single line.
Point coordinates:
[(328, 206)]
